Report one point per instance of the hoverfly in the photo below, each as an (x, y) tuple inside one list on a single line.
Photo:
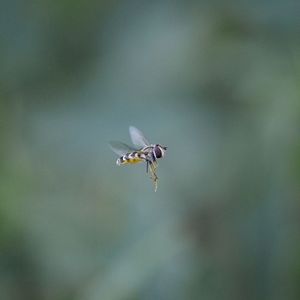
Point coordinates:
[(142, 152)]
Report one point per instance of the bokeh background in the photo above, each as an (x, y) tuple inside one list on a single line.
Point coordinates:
[(217, 82)]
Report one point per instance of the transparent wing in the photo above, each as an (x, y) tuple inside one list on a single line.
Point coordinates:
[(137, 137), (120, 148)]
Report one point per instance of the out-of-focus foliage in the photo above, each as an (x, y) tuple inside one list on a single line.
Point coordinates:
[(217, 82)]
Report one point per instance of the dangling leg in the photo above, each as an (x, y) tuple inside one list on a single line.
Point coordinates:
[(151, 165), (153, 175)]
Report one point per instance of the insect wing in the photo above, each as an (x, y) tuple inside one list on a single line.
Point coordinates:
[(137, 137), (120, 148)]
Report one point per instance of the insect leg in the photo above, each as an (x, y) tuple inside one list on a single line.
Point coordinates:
[(153, 175)]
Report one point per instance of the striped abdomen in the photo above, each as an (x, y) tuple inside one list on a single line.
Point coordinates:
[(131, 158)]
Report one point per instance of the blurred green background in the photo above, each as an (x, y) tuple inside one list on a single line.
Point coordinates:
[(217, 82)]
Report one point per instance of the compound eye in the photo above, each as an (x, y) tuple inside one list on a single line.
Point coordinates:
[(157, 152)]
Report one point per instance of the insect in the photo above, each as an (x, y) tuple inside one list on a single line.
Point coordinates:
[(142, 152)]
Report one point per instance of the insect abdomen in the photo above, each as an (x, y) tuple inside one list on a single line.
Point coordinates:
[(131, 158)]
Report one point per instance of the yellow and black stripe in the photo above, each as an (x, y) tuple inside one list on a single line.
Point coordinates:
[(131, 158)]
